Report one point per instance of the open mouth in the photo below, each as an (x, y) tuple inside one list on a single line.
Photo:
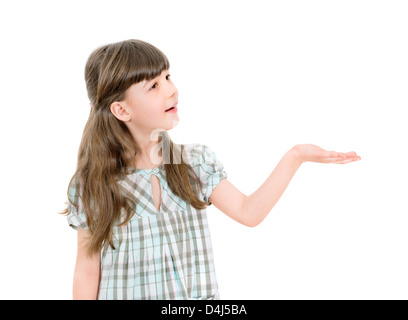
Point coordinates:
[(172, 108)]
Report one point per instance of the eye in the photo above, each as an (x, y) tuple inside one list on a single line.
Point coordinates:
[(154, 86)]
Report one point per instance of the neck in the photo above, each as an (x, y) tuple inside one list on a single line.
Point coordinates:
[(149, 159)]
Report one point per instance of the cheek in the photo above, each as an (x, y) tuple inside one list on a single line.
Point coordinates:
[(149, 113), (156, 107), (148, 107)]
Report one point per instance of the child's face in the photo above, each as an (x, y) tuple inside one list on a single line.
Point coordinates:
[(147, 102)]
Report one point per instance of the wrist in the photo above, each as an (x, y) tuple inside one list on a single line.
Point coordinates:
[(296, 155)]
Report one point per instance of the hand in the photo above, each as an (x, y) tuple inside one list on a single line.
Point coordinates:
[(312, 153)]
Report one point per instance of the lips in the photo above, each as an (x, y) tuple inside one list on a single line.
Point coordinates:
[(172, 107)]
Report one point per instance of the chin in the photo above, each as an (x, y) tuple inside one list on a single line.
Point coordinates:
[(173, 125)]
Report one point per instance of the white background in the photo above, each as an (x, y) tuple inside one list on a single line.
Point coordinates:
[(254, 79)]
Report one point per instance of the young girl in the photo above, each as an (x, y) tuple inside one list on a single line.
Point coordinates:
[(138, 200)]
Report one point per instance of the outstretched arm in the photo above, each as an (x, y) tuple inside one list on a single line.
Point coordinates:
[(251, 210)]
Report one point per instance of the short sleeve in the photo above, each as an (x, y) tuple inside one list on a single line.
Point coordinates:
[(76, 216), (207, 167)]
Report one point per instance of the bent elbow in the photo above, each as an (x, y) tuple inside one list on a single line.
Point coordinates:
[(251, 223), (250, 215)]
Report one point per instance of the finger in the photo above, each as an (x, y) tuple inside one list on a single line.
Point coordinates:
[(331, 160), (352, 153), (347, 160), (348, 155), (337, 157), (341, 159), (334, 154)]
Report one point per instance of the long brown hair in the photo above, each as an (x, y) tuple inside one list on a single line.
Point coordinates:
[(107, 150)]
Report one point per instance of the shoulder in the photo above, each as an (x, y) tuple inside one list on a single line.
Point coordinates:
[(76, 216), (206, 166), (196, 154), (203, 161), (74, 193)]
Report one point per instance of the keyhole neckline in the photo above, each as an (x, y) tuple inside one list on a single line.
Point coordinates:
[(149, 171), (160, 189)]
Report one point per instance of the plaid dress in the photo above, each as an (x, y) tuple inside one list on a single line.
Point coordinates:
[(166, 253)]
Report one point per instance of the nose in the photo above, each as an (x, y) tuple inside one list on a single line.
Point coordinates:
[(172, 90)]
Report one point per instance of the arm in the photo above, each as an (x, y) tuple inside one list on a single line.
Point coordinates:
[(251, 210), (258, 205), (87, 270)]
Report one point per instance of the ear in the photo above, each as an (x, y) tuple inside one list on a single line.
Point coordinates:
[(119, 111)]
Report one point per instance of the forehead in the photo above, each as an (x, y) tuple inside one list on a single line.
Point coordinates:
[(136, 89)]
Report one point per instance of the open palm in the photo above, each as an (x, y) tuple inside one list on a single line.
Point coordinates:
[(313, 153)]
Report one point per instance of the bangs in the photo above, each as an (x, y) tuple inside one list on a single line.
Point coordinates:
[(122, 65), (145, 62)]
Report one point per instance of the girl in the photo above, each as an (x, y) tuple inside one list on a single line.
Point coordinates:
[(138, 200)]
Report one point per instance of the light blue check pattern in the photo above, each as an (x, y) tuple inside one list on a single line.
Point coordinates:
[(161, 253)]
